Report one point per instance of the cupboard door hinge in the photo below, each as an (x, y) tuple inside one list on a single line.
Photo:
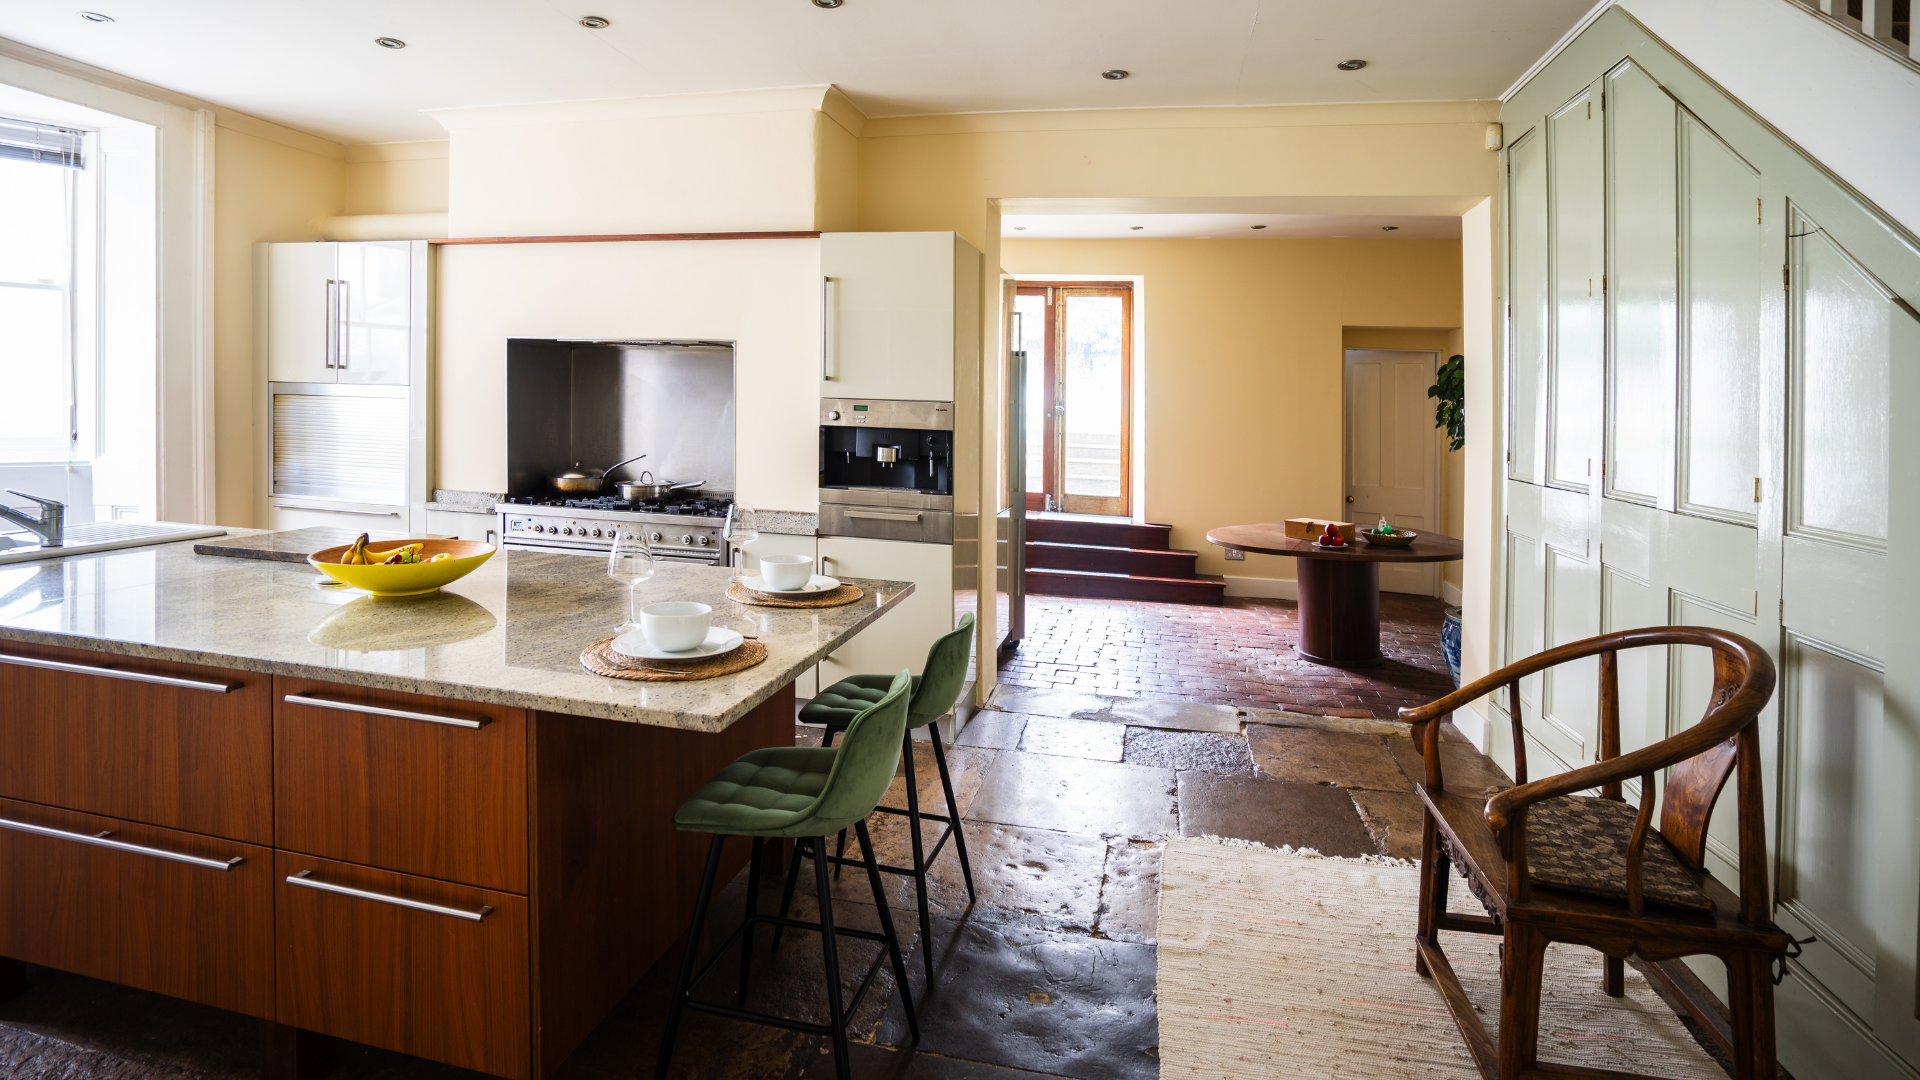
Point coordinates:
[(1756, 489), (1757, 204), (1603, 283), (1783, 610), (1786, 277), (1603, 101), (1589, 108), (1603, 470), (1509, 457)]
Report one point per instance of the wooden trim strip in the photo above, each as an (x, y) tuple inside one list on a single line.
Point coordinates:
[(624, 238)]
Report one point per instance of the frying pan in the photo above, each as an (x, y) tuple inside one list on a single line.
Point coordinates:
[(577, 482), (645, 488)]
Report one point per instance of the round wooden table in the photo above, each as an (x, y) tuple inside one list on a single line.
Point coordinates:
[(1339, 589)]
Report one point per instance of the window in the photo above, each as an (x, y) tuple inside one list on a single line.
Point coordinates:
[(45, 201)]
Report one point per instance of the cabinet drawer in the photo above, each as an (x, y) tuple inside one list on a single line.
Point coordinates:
[(135, 912), (104, 734), (402, 782), (407, 963)]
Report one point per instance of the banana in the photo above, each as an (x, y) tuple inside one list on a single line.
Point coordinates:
[(356, 553)]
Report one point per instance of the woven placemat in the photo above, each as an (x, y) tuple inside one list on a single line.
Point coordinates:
[(600, 659), (845, 594)]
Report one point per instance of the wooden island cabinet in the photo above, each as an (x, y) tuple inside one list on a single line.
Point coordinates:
[(473, 883)]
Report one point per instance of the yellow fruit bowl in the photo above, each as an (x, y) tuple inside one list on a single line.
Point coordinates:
[(404, 579)]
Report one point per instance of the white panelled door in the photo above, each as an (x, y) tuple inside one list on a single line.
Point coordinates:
[(1393, 453)]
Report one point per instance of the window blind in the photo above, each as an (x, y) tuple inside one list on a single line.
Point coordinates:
[(23, 140)]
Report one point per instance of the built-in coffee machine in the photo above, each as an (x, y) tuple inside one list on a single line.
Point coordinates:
[(886, 470)]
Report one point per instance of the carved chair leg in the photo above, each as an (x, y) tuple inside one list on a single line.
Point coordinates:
[(1434, 871), (1750, 1003), (1613, 980), (1523, 952)]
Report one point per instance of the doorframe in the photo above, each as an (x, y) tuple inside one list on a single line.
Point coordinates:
[(1136, 441), (1436, 477)]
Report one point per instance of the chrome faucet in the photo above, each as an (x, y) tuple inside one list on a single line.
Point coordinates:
[(49, 526)]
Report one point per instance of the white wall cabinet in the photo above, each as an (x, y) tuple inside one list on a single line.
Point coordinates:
[(890, 299), (339, 312)]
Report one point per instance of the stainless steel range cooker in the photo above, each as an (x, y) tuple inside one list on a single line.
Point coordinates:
[(679, 529)]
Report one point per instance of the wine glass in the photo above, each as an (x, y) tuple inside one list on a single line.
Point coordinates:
[(741, 530), (631, 561)]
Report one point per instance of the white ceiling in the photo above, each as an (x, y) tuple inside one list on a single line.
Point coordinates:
[(1225, 227), (314, 66)]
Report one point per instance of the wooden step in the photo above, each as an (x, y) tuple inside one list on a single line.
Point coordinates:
[(1196, 590), (1118, 533), (1144, 562)]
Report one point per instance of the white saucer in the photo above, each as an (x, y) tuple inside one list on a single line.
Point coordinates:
[(817, 584), (719, 641), (1332, 547)]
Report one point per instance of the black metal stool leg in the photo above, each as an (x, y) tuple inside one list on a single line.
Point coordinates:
[(840, 849), (830, 953), (919, 853), (886, 927), (678, 1004), (953, 808), (786, 897), (753, 911)]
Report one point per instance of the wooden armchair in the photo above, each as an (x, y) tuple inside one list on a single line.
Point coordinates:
[(1549, 865)]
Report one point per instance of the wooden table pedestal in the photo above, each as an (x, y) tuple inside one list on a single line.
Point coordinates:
[(1339, 612)]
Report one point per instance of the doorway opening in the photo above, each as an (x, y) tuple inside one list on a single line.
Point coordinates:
[(1392, 454), (1078, 338)]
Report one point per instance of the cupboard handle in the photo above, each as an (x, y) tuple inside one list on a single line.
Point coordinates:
[(375, 710), (306, 879), (874, 515), (829, 329), (333, 323), (340, 334), (116, 673), (336, 510), (100, 840)]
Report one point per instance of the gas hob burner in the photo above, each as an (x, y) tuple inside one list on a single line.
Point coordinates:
[(676, 506)]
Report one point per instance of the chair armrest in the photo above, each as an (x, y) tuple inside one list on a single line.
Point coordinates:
[(1668, 752)]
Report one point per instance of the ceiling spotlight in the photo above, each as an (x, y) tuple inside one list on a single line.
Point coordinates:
[(1136, 228), (1351, 65), (1259, 226), (1019, 228), (94, 16), (1388, 228), (1116, 74), (828, 3), (595, 22), (389, 43)]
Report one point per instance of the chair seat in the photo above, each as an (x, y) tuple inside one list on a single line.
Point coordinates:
[(837, 705), (1579, 844), (764, 793)]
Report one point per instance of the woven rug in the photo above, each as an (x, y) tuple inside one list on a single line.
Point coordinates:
[(1282, 964)]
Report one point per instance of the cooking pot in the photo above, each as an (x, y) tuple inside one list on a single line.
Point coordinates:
[(647, 488), (576, 482)]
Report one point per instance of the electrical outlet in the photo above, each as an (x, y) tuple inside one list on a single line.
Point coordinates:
[(1236, 556)]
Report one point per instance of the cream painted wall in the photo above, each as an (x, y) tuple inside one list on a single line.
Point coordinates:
[(762, 294), (1244, 364), (396, 178), (263, 191), (1452, 470)]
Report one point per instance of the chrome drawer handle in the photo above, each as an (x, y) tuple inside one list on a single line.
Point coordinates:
[(116, 673), (375, 710), (100, 839), (877, 516), (306, 879)]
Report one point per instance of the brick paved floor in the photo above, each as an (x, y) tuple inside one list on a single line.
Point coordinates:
[(1239, 654)]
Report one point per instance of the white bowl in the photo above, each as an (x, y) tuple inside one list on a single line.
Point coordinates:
[(786, 572), (676, 626)]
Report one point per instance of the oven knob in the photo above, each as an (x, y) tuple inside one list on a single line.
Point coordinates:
[(596, 534), (705, 540), (568, 530), (833, 414), (539, 528), (686, 538), (656, 538)]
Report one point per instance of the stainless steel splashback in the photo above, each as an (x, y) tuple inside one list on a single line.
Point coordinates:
[(596, 402)]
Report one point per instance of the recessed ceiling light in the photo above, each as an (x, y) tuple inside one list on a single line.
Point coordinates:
[(1136, 228), (828, 3), (1019, 228), (1388, 228), (389, 43), (94, 16), (1259, 226), (595, 22), (1351, 65), (1116, 74)]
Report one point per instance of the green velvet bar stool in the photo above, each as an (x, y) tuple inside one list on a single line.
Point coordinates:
[(935, 692), (806, 793)]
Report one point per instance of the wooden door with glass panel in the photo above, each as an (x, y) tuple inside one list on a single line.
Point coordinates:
[(1078, 337)]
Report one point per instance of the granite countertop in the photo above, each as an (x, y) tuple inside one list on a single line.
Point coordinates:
[(509, 633)]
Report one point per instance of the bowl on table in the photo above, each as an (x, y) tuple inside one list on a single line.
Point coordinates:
[(1396, 538), (675, 626), (785, 573), (404, 579)]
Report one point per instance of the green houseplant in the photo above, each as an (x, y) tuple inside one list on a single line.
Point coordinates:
[(1450, 387)]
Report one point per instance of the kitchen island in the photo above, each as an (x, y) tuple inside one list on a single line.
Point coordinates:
[(416, 823)]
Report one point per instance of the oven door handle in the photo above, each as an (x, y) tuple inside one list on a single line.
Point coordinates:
[(879, 515)]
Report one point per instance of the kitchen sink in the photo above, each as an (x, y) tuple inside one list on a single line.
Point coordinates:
[(101, 536)]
